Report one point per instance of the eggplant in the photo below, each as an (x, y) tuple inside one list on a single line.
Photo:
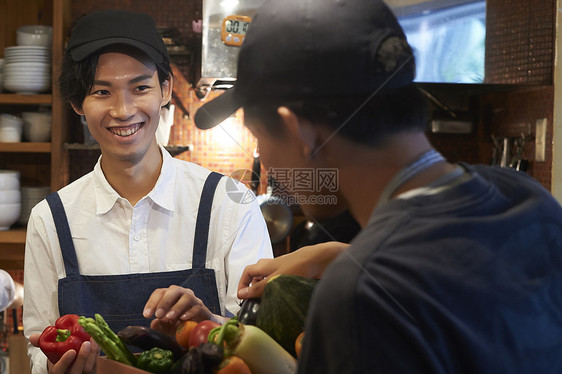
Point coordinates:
[(146, 338), (204, 359), (248, 313), (212, 355)]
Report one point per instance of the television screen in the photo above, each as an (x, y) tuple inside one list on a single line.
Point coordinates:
[(448, 38)]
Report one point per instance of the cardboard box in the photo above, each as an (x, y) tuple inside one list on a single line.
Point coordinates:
[(107, 366)]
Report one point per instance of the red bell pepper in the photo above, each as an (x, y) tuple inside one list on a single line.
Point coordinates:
[(65, 335)]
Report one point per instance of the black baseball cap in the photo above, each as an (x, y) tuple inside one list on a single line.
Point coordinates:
[(103, 28), (299, 49)]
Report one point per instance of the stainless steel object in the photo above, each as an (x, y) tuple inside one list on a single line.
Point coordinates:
[(219, 60)]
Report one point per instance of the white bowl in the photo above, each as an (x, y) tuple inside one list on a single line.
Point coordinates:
[(25, 87), (42, 117), (26, 59), (26, 73), (30, 79), (9, 179), (35, 193), (9, 214), (9, 120), (10, 135), (30, 56), (11, 128), (36, 133), (26, 49), (27, 65), (34, 35), (10, 197), (30, 196), (37, 126)]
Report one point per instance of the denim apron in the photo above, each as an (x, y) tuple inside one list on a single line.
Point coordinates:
[(120, 299)]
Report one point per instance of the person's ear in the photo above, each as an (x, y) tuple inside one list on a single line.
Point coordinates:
[(167, 90), (300, 129), (77, 109)]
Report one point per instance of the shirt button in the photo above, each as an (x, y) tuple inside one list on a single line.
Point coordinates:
[(137, 237)]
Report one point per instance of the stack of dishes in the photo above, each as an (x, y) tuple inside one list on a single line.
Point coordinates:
[(10, 198), (11, 128), (1, 70), (27, 69), (37, 126), (30, 196)]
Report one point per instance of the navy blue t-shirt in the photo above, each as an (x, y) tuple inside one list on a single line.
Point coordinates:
[(468, 280)]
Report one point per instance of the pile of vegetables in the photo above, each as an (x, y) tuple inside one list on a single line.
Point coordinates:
[(265, 337)]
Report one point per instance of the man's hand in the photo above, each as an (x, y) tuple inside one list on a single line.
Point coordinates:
[(173, 305), (85, 361), (310, 262)]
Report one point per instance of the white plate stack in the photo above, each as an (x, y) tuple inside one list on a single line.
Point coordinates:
[(1, 74), (10, 198), (30, 196), (27, 69)]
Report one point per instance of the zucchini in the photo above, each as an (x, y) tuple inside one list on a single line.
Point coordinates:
[(283, 308), (259, 351), (262, 354)]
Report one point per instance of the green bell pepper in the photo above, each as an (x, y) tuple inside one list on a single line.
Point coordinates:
[(155, 360)]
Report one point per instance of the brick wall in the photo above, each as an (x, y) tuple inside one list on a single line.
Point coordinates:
[(520, 54), (520, 41)]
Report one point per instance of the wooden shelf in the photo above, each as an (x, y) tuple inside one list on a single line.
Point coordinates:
[(39, 163), (26, 147), (16, 236), (7, 98)]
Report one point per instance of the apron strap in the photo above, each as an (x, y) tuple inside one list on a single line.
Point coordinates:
[(63, 232), (203, 220), (201, 227)]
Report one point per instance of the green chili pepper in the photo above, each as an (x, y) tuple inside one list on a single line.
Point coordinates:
[(155, 360)]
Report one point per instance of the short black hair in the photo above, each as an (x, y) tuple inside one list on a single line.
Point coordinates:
[(364, 120), (77, 77)]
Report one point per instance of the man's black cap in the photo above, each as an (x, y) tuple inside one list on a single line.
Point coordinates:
[(313, 49), (103, 28)]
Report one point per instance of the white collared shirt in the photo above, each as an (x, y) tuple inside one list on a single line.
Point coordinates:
[(112, 237)]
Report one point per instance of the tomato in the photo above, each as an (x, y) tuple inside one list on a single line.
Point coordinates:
[(200, 332), (184, 331), (233, 365), (298, 344)]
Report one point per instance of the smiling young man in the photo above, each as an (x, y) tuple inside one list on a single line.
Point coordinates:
[(144, 238), (457, 268)]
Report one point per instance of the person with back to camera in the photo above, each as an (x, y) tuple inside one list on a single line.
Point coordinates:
[(144, 238), (12, 295), (457, 268)]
